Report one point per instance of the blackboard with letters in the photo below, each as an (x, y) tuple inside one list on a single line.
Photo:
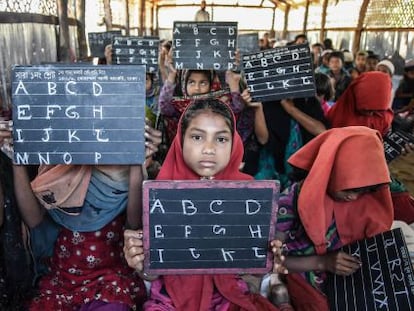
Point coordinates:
[(74, 114), (99, 40), (204, 45), (248, 43), (193, 227), (394, 142), (136, 51), (283, 72), (385, 280)]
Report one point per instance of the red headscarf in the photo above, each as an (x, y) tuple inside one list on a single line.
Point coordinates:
[(194, 292), (370, 91), (174, 167), (339, 159)]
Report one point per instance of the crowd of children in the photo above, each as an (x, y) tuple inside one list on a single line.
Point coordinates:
[(84, 222)]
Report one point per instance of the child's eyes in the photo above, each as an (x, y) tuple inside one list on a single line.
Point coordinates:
[(196, 137), (222, 139)]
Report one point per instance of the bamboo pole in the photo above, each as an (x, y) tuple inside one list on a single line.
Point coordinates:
[(285, 23), (63, 50), (127, 17), (108, 14), (359, 28), (81, 31), (322, 33), (305, 19)]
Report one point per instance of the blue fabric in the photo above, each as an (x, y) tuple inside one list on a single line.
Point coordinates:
[(105, 199), (267, 169), (42, 242)]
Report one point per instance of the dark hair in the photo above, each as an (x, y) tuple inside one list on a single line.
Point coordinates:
[(301, 36), (323, 86), (202, 105), (337, 54), (366, 189), (327, 43), (373, 56)]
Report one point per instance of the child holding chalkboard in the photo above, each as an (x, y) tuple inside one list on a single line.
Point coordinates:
[(367, 102), (195, 84), (77, 214), (206, 146), (341, 196)]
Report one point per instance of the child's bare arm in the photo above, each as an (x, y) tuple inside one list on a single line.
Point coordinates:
[(260, 126), (335, 262), (312, 125), (31, 210)]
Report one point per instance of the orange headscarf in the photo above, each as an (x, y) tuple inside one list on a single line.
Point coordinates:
[(370, 91), (195, 292), (340, 159)]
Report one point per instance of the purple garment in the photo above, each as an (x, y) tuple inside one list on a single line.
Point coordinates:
[(97, 305)]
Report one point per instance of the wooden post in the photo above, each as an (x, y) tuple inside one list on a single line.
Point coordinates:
[(108, 14), (272, 29), (358, 30), (285, 24), (322, 33), (305, 20), (127, 17), (157, 14), (142, 17), (63, 49), (80, 17), (152, 19)]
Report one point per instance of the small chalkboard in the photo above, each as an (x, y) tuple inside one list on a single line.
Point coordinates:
[(284, 72), (99, 40), (394, 142), (201, 227), (248, 43), (136, 51), (385, 280), (204, 45), (78, 114)]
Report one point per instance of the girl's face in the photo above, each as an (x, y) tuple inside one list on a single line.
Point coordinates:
[(197, 84), (207, 144), (350, 195)]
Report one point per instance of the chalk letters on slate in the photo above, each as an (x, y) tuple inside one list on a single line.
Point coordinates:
[(385, 280), (204, 45), (208, 227), (78, 114), (279, 73), (136, 51)]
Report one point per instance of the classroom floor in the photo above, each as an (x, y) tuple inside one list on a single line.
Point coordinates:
[(403, 169)]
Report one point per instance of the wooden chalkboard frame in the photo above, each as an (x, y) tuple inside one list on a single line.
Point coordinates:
[(127, 50), (248, 43), (78, 114), (385, 280), (193, 186), (194, 47), (279, 73), (97, 49)]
